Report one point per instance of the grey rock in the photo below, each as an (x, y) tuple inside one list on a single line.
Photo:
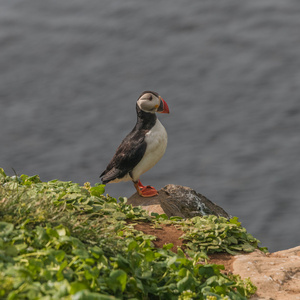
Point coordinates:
[(177, 200)]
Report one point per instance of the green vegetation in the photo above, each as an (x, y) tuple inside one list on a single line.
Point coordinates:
[(59, 240)]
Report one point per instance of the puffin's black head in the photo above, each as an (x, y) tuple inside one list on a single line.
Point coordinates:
[(151, 102)]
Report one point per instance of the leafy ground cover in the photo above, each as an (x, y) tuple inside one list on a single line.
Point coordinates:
[(59, 240)]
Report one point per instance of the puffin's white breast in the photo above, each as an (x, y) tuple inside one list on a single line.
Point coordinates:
[(156, 140)]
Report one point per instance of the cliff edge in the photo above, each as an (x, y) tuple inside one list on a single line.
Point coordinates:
[(276, 275)]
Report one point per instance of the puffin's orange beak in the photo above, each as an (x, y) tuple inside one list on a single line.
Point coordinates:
[(163, 107)]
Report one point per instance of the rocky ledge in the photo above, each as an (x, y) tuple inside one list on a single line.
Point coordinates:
[(276, 275), (180, 201)]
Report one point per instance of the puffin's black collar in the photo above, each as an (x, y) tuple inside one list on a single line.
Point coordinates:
[(145, 120)]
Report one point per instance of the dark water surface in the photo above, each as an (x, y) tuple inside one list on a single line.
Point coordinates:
[(71, 71)]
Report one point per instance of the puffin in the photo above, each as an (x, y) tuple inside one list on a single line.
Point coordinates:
[(142, 148)]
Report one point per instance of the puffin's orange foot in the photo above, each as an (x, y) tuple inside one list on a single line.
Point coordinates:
[(148, 191), (145, 191)]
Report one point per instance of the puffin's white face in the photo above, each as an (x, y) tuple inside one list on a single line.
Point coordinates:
[(151, 102)]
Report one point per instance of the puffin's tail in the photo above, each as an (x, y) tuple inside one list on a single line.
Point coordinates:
[(109, 175), (103, 178)]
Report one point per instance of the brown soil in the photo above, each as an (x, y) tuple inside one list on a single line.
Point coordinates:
[(170, 234), (275, 275), (165, 235)]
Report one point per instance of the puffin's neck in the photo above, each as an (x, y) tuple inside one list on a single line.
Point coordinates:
[(145, 120)]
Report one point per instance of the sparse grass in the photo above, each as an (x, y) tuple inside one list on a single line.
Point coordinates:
[(59, 240)]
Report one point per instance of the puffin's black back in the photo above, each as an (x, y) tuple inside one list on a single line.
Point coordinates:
[(131, 150)]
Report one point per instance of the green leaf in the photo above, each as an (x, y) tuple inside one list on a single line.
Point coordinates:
[(117, 280), (186, 283), (123, 200), (59, 274), (174, 218), (133, 245), (11, 251), (247, 247), (182, 272), (168, 246), (231, 251), (171, 261), (97, 190), (154, 214), (2, 173), (163, 216), (180, 252), (28, 180), (60, 255), (81, 253), (123, 263), (91, 273), (149, 255), (6, 228), (232, 240), (235, 220), (52, 232), (96, 251), (87, 295), (77, 286)]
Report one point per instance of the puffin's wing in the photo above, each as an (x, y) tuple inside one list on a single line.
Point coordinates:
[(127, 156)]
